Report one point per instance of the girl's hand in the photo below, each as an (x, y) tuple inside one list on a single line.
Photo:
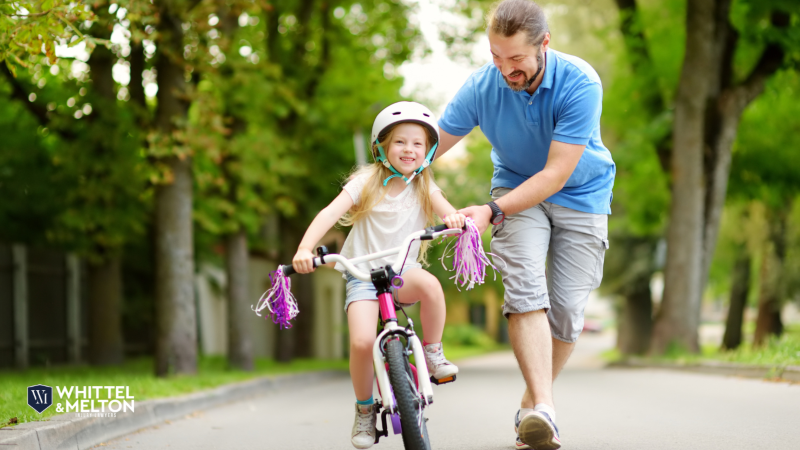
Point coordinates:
[(455, 220), (303, 261)]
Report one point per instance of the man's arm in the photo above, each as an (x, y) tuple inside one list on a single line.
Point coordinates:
[(446, 142), (561, 162)]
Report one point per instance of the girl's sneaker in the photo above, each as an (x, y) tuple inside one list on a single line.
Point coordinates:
[(438, 366), (363, 435)]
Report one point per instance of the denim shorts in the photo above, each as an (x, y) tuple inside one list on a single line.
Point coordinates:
[(572, 242), (357, 290)]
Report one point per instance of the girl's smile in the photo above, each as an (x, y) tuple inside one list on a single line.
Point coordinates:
[(407, 148)]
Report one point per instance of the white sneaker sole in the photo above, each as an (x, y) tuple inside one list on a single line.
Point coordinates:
[(521, 445), (362, 445), (536, 431)]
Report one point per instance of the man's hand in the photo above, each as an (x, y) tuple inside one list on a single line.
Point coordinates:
[(481, 214)]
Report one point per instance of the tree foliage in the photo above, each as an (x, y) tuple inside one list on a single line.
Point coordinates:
[(36, 27)]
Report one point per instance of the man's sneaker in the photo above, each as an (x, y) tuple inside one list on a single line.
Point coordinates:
[(521, 445), (438, 366), (537, 431), (363, 435)]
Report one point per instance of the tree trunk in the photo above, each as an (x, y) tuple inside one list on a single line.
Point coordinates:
[(136, 85), (296, 341), (105, 312), (738, 301), (240, 345), (678, 317), (176, 345), (726, 103), (636, 318), (104, 276), (769, 321)]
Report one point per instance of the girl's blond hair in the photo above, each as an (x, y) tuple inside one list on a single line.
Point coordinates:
[(374, 191)]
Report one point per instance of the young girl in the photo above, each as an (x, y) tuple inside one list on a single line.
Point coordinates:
[(385, 202)]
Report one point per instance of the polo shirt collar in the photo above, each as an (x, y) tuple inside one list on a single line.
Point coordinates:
[(547, 78)]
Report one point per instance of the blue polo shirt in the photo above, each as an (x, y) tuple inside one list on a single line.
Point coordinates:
[(566, 108)]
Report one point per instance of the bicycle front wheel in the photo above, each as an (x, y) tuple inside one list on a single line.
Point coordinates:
[(412, 418)]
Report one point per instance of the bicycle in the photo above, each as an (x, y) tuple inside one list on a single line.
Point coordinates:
[(405, 390)]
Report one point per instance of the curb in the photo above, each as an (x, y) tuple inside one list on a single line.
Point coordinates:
[(777, 373), (66, 431)]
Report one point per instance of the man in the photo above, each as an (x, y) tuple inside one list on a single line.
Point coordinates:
[(552, 182)]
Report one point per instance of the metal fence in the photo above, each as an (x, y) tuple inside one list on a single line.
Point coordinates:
[(41, 307)]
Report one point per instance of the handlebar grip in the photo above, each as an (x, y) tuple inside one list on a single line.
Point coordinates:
[(288, 270), (438, 228)]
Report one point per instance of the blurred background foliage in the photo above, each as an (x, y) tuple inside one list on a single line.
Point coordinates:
[(273, 94)]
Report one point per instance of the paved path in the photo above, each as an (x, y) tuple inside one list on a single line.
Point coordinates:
[(597, 409)]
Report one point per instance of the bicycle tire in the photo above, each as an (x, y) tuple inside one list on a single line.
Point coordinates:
[(415, 429)]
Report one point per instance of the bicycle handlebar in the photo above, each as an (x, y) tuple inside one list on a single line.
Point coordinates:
[(429, 233), (289, 270)]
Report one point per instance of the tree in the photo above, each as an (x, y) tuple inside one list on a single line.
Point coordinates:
[(735, 240), (764, 170), (678, 318), (176, 345), (239, 170), (730, 73)]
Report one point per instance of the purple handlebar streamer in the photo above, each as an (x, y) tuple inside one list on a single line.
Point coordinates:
[(469, 259), (278, 300)]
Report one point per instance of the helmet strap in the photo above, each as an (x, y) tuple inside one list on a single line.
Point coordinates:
[(385, 161), (425, 163)]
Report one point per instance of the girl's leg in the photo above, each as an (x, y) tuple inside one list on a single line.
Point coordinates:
[(362, 319), (420, 285)]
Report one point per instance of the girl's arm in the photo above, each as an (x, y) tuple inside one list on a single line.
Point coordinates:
[(325, 220), (445, 210)]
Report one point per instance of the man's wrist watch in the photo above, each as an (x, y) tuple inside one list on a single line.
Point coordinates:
[(497, 214)]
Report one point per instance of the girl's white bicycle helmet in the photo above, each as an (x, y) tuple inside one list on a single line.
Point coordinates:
[(404, 112)]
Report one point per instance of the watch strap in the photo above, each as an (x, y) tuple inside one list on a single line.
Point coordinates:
[(496, 211)]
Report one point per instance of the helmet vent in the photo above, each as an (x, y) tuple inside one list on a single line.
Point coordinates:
[(426, 115), (397, 113)]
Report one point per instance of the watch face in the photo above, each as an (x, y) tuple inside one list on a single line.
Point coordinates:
[(498, 219)]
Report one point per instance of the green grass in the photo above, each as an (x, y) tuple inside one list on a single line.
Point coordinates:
[(783, 351), (138, 375), (778, 352), (456, 353)]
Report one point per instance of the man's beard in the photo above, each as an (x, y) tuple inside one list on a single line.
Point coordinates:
[(528, 82)]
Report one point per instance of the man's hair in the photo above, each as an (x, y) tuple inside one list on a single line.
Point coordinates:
[(509, 17)]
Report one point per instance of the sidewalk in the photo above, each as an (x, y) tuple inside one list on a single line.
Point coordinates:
[(67, 431)]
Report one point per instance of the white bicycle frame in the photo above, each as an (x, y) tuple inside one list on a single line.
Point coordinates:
[(390, 327)]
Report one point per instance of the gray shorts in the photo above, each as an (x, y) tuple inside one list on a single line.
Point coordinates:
[(572, 242)]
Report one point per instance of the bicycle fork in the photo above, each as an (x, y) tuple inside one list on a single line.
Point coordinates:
[(378, 360)]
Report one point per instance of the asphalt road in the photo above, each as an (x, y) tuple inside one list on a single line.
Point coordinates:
[(597, 409)]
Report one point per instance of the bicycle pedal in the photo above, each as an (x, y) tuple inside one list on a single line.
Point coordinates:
[(443, 380)]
